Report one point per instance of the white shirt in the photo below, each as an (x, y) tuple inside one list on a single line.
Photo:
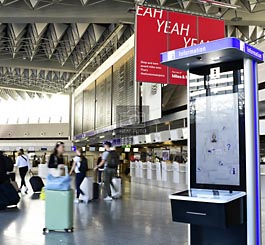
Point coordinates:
[(77, 161), (23, 161)]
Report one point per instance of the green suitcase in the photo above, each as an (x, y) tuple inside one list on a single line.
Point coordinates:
[(59, 211)]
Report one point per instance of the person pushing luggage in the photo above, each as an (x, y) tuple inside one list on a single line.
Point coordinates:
[(110, 161), (80, 168)]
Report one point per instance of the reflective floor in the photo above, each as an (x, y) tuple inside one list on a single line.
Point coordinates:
[(141, 217)]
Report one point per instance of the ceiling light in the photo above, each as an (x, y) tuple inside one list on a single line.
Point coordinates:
[(236, 18)]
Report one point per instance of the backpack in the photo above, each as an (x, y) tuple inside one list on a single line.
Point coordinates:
[(83, 166), (113, 159), (9, 164)]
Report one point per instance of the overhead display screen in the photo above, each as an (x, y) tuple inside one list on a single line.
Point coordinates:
[(89, 108), (217, 140), (78, 108)]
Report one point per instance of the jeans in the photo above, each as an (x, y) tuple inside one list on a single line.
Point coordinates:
[(78, 181), (23, 172), (100, 175), (109, 174)]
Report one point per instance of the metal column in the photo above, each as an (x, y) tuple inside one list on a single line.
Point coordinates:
[(252, 153)]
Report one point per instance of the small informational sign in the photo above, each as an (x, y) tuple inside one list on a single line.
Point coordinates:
[(215, 73), (73, 148)]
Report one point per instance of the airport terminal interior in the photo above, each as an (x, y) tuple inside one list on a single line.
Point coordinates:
[(138, 122)]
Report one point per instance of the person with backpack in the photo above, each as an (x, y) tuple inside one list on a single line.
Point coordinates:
[(110, 161), (24, 166), (80, 168)]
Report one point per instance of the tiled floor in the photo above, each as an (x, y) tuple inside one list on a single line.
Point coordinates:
[(141, 217)]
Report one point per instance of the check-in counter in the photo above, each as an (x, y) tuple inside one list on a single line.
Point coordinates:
[(161, 174), (158, 171), (176, 178), (167, 174), (137, 169), (149, 174), (154, 173), (144, 173), (183, 175), (132, 169), (141, 174)]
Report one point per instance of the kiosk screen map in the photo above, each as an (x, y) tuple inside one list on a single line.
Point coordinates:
[(217, 140)]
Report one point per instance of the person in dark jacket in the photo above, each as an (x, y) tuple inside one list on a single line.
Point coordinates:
[(3, 171), (56, 157)]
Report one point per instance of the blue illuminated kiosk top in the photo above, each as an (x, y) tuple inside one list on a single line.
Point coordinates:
[(223, 142), (207, 54)]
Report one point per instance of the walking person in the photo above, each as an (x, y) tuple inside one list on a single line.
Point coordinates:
[(23, 165), (56, 157), (100, 170), (110, 161), (80, 168)]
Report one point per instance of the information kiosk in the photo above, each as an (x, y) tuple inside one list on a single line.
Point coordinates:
[(222, 204)]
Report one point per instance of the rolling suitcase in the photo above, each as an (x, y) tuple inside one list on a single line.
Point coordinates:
[(117, 192), (59, 211), (87, 188), (36, 183), (95, 191), (9, 195)]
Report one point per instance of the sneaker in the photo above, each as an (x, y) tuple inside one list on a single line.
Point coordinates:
[(108, 198), (116, 195), (76, 201)]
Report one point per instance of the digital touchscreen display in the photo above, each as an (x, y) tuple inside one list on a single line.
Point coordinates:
[(217, 140)]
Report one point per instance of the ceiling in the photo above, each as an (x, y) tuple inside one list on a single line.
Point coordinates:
[(45, 44)]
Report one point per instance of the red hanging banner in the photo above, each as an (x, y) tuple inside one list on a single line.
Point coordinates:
[(159, 31)]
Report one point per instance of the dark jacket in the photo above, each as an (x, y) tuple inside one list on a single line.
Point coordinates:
[(3, 170), (54, 161)]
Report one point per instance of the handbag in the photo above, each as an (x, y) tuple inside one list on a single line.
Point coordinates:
[(59, 183)]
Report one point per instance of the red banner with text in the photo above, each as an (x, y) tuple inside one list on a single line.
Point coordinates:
[(159, 31)]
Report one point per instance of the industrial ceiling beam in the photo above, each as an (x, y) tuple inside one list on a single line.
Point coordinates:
[(98, 13), (7, 61)]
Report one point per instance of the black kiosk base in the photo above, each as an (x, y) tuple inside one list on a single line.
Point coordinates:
[(211, 215)]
